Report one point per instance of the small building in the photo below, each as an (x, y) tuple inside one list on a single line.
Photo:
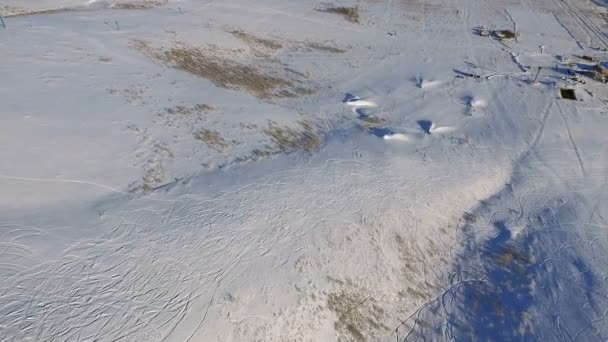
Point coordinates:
[(601, 68)]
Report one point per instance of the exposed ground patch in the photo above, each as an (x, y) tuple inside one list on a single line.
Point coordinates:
[(349, 13), (12, 11), (357, 312), (315, 46), (285, 139), (184, 114), (9, 11), (259, 46), (155, 168), (213, 139), (145, 4), (134, 94), (228, 73)]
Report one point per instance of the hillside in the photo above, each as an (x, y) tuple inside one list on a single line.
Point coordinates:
[(303, 171)]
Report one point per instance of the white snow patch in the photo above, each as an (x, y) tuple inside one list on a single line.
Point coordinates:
[(441, 130), (478, 103), (430, 84), (404, 137), (358, 103), (98, 4)]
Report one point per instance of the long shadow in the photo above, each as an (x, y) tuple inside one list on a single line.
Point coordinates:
[(514, 287), (525, 285), (496, 309)]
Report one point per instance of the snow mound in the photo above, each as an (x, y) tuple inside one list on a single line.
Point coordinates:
[(358, 103), (478, 103), (430, 84), (404, 137), (98, 4)]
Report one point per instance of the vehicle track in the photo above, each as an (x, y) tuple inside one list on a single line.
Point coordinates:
[(585, 24)]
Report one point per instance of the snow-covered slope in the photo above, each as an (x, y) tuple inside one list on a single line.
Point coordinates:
[(292, 171)]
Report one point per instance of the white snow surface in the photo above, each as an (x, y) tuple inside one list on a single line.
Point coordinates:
[(144, 200)]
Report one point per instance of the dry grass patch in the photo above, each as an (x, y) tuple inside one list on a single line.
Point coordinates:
[(256, 43), (227, 73), (146, 4), (468, 217), (182, 115), (323, 48), (358, 314), (184, 110), (372, 119), (213, 139), (9, 11), (349, 13), (133, 94), (509, 255), (286, 139), (155, 169), (22, 13)]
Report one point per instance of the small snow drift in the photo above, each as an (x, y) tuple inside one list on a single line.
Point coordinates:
[(481, 31), (429, 127), (362, 103), (98, 4), (429, 84), (442, 130), (474, 104), (398, 137), (356, 102), (478, 103)]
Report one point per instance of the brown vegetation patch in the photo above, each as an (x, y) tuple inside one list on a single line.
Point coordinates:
[(24, 12), (213, 139), (227, 73), (146, 4), (184, 110), (256, 43), (358, 314), (510, 254), (372, 119), (184, 115), (287, 139), (349, 13), (323, 48), (9, 11), (133, 94)]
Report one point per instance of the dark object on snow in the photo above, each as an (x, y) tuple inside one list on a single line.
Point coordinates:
[(567, 93), (537, 73), (463, 74), (481, 31), (505, 34), (587, 58), (425, 125)]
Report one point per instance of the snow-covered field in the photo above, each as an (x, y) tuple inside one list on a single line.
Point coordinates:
[(274, 170)]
